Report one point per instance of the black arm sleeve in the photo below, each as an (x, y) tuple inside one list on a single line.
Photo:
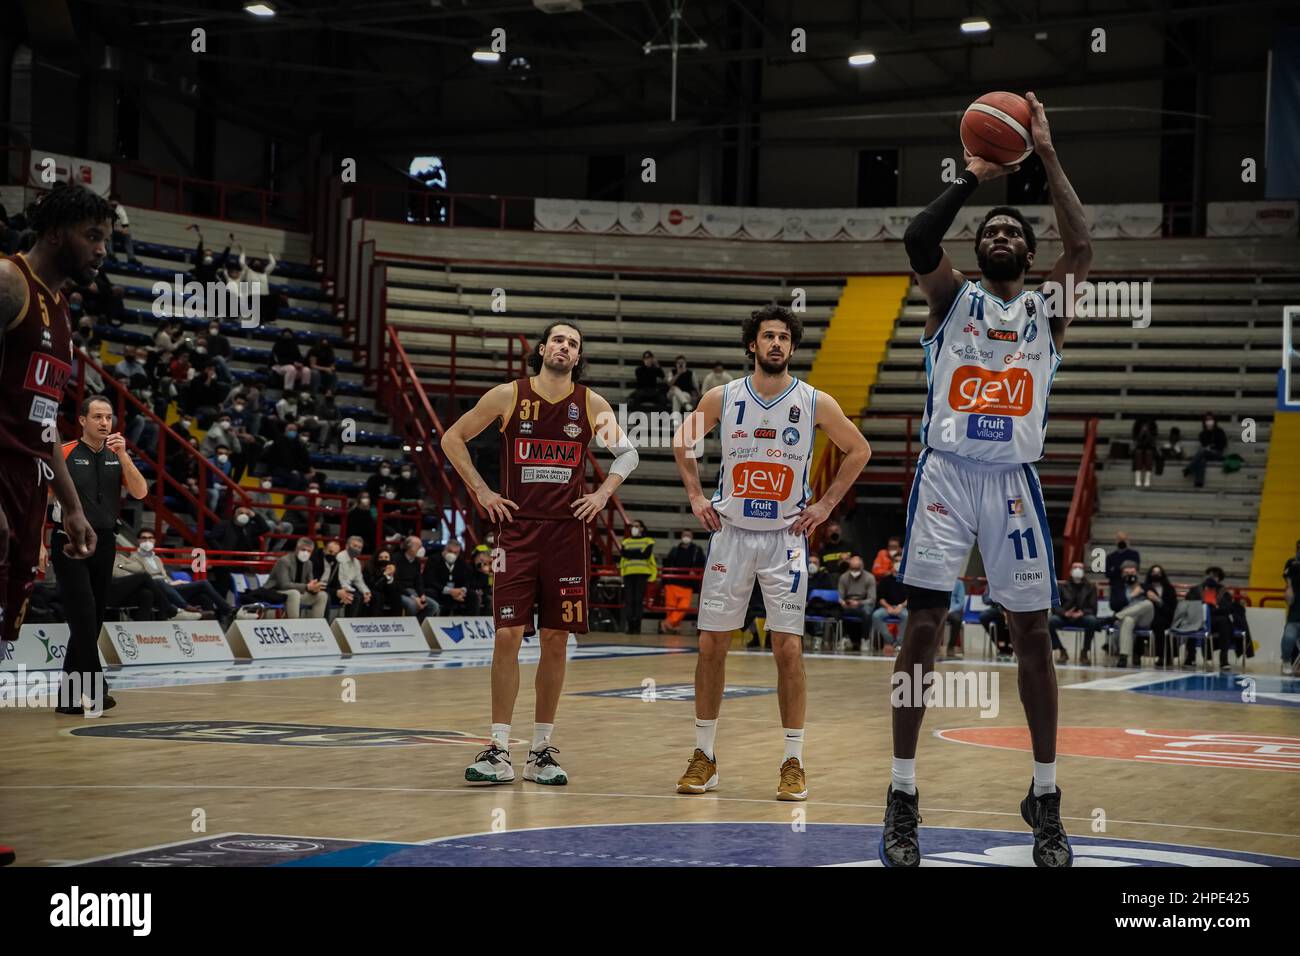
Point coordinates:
[(925, 232)]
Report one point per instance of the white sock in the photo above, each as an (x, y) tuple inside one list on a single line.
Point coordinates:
[(1044, 778), (542, 736), (705, 733), (903, 775), (1137, 479), (501, 735), (793, 744), (1146, 479)]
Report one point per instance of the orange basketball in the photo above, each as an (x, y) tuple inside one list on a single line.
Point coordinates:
[(996, 127)]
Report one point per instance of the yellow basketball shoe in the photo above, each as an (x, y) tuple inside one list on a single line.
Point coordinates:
[(793, 785), (701, 774)]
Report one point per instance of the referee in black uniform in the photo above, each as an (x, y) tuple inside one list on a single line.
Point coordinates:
[(99, 465)]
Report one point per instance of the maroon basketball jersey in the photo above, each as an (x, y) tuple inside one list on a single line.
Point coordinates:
[(35, 364), (544, 452)]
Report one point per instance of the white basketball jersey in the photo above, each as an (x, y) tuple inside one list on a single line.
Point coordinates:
[(766, 452), (989, 369)]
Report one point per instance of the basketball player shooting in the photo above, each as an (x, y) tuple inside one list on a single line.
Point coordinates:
[(991, 351), (761, 517), (547, 421)]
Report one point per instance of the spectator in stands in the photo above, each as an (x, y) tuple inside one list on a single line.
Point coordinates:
[(325, 567), (382, 479), (1291, 629), (480, 581), (410, 582), (167, 339), (1162, 594), (219, 352), (257, 273), (408, 485), (1213, 443), (638, 568), (217, 489), (361, 519), (206, 264), (683, 390), (180, 370), (264, 502), (293, 576), (957, 619), (133, 363), (994, 620), (324, 366), (289, 404), (353, 591), (203, 396), (719, 376), (139, 429), (687, 556), (1115, 561), (651, 391), (1078, 608), (1170, 449), (1138, 611), (302, 514), (242, 406), (1227, 619), (447, 577), (1145, 432), (240, 532), (887, 557), (186, 596), (891, 601), (819, 579), (327, 421), (857, 600), (286, 361), (183, 457), (223, 432), (135, 589), (381, 575), (837, 547), (287, 459), (121, 230)]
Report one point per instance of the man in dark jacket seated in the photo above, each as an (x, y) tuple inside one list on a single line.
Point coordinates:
[(447, 578), (1078, 608)]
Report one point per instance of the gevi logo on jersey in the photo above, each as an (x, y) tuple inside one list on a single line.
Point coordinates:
[(975, 389), (762, 479)]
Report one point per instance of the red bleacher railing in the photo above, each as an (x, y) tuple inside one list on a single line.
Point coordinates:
[(1078, 524), (162, 483), (447, 377), (408, 405)]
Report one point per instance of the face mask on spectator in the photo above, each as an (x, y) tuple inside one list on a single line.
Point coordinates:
[(202, 350), (406, 473), (385, 471), (146, 546), (1209, 423), (390, 494), (222, 459), (636, 530), (291, 434), (354, 551), (856, 574), (239, 406), (420, 553), (241, 519), (450, 557), (304, 555), (363, 502), (1130, 579), (266, 483), (225, 423), (813, 567), (1076, 574), (686, 539), (214, 329)]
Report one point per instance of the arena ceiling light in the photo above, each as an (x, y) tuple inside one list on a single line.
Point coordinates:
[(259, 9), (862, 59), (976, 25), (486, 56)]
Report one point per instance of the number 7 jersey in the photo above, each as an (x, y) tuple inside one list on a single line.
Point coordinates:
[(767, 449)]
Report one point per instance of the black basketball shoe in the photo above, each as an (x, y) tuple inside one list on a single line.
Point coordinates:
[(1043, 814), (898, 840)]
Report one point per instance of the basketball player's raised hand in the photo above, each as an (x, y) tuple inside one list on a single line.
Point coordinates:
[(704, 511), (1038, 128), (983, 169), (810, 518), (588, 506), (498, 508)]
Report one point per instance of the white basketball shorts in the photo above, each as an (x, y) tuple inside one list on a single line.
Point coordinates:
[(956, 501), (736, 557)]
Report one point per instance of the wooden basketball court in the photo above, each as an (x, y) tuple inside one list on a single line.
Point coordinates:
[(274, 764)]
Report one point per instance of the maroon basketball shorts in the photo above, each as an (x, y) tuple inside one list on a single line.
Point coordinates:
[(546, 569), (24, 483)]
